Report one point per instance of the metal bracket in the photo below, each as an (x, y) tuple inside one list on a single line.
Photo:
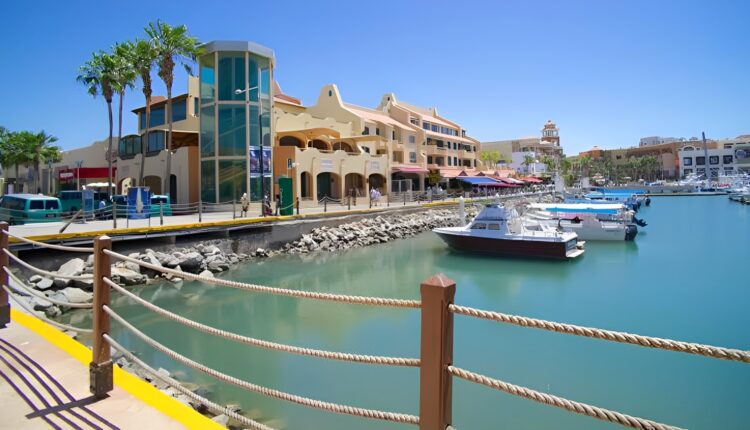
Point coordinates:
[(4, 315), (100, 379)]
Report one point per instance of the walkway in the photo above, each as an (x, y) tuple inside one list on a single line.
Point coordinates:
[(44, 384)]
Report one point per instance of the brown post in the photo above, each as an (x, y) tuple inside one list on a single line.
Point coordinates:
[(436, 353), (100, 369), (4, 299)]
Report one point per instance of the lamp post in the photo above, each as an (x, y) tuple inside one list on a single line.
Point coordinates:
[(49, 175), (260, 143), (78, 164)]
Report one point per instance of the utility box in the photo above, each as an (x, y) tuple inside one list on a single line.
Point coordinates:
[(286, 196)]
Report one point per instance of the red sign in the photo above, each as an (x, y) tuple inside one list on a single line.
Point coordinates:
[(86, 173)]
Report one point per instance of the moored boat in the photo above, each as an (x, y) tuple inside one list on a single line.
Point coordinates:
[(500, 232), (589, 222)]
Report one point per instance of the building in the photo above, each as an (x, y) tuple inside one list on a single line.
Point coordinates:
[(657, 140), (721, 161), (514, 153)]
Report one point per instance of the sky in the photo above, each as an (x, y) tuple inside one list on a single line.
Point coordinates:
[(607, 72)]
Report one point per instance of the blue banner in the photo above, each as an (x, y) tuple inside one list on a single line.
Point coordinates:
[(139, 203)]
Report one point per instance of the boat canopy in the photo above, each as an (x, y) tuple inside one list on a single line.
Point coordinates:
[(579, 207)]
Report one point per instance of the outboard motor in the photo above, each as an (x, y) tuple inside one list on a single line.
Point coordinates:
[(630, 232), (648, 201), (639, 222)]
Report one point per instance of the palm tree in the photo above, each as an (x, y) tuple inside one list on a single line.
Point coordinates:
[(97, 76), (142, 55), (123, 77), (20, 151), (527, 160), (42, 151), (549, 162), (6, 150), (172, 44)]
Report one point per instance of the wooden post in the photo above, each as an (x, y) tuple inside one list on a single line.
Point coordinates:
[(349, 202), (297, 205), (100, 369), (161, 213), (4, 299), (325, 205), (114, 214), (200, 210), (234, 210), (436, 353)]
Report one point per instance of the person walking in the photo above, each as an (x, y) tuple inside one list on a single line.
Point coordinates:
[(244, 204)]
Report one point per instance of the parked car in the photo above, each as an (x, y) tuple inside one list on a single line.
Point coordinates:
[(72, 201), (29, 208)]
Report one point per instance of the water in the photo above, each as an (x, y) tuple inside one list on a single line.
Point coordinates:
[(685, 277)]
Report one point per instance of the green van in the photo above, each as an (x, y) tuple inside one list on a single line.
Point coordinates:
[(29, 208), (72, 201)]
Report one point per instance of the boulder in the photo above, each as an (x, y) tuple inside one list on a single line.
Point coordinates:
[(86, 284), (44, 284), (40, 304), (35, 278), (210, 250), (206, 273), (76, 295), (125, 276), (73, 267), (191, 262), (221, 419)]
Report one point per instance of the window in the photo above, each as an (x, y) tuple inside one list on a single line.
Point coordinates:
[(208, 149), (687, 161), (426, 125), (157, 117), (179, 111), (714, 159), (449, 161), (479, 226), (196, 109), (393, 135), (412, 157), (377, 131), (155, 141), (435, 128), (455, 161), (429, 159), (700, 161), (414, 121), (493, 226), (51, 204), (231, 76), (366, 131), (728, 159), (688, 171), (232, 183), (728, 170), (232, 130), (36, 204), (366, 149), (412, 139), (208, 78), (208, 181)]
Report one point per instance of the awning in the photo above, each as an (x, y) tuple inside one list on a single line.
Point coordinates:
[(532, 180), (452, 173), (410, 170), (482, 181), (511, 181)]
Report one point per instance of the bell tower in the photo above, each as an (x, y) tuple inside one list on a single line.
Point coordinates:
[(550, 133)]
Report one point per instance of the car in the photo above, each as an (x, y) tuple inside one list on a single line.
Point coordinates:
[(29, 208)]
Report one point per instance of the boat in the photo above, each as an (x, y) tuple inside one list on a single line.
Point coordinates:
[(500, 232), (588, 221)]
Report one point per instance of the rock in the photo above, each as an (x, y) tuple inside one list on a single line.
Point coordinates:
[(191, 262), (125, 276), (40, 304), (53, 311), (86, 284), (76, 295), (35, 278), (132, 266), (90, 260), (61, 283), (73, 267), (44, 284), (210, 250), (207, 273), (221, 419)]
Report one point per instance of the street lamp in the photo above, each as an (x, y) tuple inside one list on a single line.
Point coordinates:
[(49, 175)]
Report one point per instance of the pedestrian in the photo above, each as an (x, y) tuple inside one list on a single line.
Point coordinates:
[(245, 205), (377, 197), (278, 203), (102, 208), (373, 195)]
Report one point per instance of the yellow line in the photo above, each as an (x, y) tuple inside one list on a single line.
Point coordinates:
[(138, 388)]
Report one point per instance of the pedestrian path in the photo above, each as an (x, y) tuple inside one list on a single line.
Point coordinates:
[(44, 384)]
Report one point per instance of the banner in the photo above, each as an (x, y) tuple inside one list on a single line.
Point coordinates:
[(139, 203)]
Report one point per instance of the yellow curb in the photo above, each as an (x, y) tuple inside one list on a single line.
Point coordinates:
[(138, 388)]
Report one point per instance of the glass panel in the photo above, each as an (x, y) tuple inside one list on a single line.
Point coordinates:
[(255, 191), (208, 148), (208, 181), (179, 111), (231, 76), (208, 78), (254, 126), (232, 179), (266, 123), (156, 141), (142, 120), (252, 71), (265, 81), (157, 117), (232, 130)]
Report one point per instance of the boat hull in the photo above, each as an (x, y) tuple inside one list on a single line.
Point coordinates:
[(510, 247)]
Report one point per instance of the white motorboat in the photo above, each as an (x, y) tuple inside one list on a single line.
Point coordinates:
[(500, 231), (588, 221)]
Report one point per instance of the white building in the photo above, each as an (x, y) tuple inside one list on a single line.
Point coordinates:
[(720, 161)]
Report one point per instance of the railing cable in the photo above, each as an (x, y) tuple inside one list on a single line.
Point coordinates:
[(46, 273), (45, 319), (19, 286), (560, 402), (318, 404), (342, 298), (357, 358), (614, 336)]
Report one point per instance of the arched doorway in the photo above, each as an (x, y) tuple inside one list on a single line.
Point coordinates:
[(320, 145), (378, 182), (355, 182), (328, 185), (342, 146), (153, 183), (305, 185), (291, 141), (124, 185)]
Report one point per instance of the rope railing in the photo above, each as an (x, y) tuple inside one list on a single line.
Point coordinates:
[(357, 358), (51, 322), (46, 273), (20, 287), (269, 392), (560, 402), (342, 298), (49, 245), (614, 336), (213, 407)]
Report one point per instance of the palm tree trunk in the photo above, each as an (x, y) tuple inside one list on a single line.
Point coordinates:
[(168, 175), (15, 187), (119, 129), (109, 148), (144, 141)]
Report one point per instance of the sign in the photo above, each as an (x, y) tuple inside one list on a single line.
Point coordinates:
[(255, 161), (288, 163), (139, 203), (375, 165), (66, 175), (326, 165)]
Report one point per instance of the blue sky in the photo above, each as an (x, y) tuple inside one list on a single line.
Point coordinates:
[(608, 72)]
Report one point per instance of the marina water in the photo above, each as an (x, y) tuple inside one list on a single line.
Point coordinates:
[(685, 277)]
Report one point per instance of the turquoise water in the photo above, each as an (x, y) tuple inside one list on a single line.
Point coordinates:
[(685, 277)]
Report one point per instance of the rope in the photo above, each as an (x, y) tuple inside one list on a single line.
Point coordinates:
[(31, 311), (49, 245), (318, 404), (214, 407), (569, 405), (614, 336), (361, 300), (357, 358), (21, 288), (44, 272)]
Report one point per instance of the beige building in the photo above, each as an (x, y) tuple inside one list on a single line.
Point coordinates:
[(513, 152)]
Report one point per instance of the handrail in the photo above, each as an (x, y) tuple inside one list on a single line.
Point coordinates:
[(357, 358), (214, 407), (21, 288), (49, 245), (269, 392), (45, 319), (560, 402), (342, 298), (613, 336), (46, 273)]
